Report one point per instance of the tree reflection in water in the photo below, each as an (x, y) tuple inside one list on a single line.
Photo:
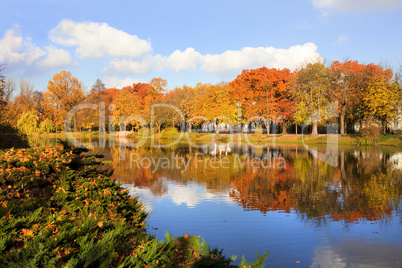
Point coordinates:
[(364, 186)]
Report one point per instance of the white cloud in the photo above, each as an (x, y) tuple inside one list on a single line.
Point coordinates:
[(120, 83), (234, 61), (56, 58), (15, 49), (356, 5), (179, 61), (342, 38), (192, 194), (129, 66), (249, 57), (34, 53), (97, 40)]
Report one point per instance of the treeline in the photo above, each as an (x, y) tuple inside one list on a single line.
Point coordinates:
[(360, 94)]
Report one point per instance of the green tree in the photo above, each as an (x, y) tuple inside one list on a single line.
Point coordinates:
[(28, 123), (46, 126)]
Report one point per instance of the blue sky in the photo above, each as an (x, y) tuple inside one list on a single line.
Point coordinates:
[(185, 42)]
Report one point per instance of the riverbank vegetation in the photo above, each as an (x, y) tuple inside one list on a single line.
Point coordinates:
[(59, 207)]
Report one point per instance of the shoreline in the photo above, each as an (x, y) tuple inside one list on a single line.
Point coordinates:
[(393, 140)]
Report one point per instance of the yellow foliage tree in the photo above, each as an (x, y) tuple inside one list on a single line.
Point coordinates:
[(381, 101), (63, 93)]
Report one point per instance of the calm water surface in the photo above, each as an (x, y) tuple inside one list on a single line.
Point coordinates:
[(343, 214)]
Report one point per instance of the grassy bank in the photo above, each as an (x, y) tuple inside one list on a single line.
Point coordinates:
[(384, 140), (59, 208), (62, 135), (172, 134)]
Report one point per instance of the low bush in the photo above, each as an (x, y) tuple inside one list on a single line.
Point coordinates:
[(372, 131), (59, 208), (170, 133), (363, 141), (11, 137)]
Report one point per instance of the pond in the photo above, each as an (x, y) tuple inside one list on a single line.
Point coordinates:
[(307, 209)]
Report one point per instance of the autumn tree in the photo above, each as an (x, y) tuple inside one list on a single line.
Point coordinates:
[(382, 100), (183, 99), (137, 99), (214, 103), (98, 95), (2, 91), (312, 84), (159, 84), (186, 96), (161, 114), (264, 92), (170, 115), (63, 93), (127, 104), (344, 88), (9, 113), (370, 73), (7, 87), (37, 97), (24, 102)]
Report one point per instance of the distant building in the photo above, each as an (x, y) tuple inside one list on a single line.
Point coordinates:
[(393, 126), (396, 125)]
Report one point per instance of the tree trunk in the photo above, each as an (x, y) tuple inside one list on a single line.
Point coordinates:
[(296, 129), (314, 131), (268, 126), (284, 127), (343, 113)]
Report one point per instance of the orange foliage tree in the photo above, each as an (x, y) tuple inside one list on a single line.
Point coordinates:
[(63, 93), (214, 103), (264, 92), (344, 88), (136, 100)]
